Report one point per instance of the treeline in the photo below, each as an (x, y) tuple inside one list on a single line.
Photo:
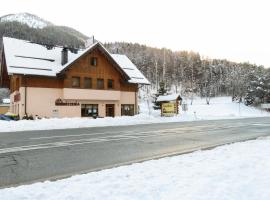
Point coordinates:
[(187, 72)]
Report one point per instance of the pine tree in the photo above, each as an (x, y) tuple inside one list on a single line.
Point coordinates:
[(258, 91), (161, 91)]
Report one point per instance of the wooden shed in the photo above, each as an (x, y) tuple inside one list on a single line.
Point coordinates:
[(169, 104)]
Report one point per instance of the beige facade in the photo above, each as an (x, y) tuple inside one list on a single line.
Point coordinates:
[(42, 101)]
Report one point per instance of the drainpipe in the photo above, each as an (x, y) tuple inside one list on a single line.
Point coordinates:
[(25, 95), (136, 99), (136, 104)]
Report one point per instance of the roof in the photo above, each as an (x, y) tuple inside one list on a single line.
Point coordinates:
[(27, 58), (171, 97), (130, 69)]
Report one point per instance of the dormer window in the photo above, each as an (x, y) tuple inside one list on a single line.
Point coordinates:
[(93, 61)]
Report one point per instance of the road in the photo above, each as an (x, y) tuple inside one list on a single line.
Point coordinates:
[(31, 156)]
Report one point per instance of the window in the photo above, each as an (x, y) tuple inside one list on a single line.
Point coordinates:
[(110, 84), (87, 83), (89, 110), (127, 109), (75, 81), (93, 61), (100, 83)]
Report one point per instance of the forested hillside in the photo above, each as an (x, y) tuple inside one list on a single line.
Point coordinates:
[(187, 72)]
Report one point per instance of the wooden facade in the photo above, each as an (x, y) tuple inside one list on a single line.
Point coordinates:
[(4, 78)]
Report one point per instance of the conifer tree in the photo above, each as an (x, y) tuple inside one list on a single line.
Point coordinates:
[(161, 91)]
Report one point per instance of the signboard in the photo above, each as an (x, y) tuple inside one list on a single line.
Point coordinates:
[(168, 109), (185, 107), (55, 113), (64, 102)]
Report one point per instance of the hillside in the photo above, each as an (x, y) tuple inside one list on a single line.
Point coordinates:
[(186, 72)]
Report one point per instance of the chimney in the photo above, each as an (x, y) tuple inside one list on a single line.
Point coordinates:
[(89, 42), (64, 56)]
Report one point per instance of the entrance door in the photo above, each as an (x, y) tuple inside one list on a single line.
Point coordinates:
[(109, 110)]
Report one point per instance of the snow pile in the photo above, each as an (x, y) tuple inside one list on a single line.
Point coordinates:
[(219, 108), (237, 171)]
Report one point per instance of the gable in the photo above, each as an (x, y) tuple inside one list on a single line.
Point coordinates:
[(100, 52), (105, 69)]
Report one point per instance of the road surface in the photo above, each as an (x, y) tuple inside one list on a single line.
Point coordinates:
[(31, 156)]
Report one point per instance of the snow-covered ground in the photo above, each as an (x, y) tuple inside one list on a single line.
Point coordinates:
[(219, 108), (238, 171)]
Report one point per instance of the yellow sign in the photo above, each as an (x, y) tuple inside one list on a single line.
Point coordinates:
[(168, 109)]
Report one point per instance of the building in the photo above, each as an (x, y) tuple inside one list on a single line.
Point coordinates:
[(169, 104), (4, 106), (61, 82)]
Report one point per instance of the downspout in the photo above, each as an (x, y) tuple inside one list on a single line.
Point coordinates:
[(136, 100), (136, 104), (25, 95)]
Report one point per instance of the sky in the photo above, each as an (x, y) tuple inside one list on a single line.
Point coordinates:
[(237, 30)]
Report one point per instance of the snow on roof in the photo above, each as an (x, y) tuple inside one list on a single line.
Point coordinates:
[(171, 97), (130, 69), (24, 57)]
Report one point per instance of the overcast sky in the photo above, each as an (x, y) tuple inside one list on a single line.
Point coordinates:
[(237, 30)]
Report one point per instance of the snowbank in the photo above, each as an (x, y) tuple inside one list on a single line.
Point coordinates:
[(237, 171), (219, 108)]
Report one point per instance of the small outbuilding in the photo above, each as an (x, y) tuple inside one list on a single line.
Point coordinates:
[(4, 106), (169, 104)]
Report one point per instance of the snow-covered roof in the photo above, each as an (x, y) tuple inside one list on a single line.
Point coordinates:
[(171, 97), (24, 57), (130, 69)]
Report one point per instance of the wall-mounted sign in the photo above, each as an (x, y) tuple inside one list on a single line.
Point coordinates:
[(64, 102), (55, 113), (168, 109), (17, 97)]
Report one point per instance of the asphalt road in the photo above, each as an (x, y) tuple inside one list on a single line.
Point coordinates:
[(31, 156)]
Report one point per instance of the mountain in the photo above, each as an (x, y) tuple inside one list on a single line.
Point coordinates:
[(31, 20), (33, 28)]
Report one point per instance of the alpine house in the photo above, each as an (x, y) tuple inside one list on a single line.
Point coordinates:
[(63, 82)]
